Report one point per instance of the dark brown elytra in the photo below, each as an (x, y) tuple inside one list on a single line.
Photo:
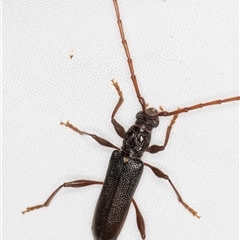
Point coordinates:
[(125, 166)]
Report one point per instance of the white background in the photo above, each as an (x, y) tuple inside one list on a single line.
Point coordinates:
[(184, 52)]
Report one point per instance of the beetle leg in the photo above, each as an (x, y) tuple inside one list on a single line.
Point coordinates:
[(85, 183), (157, 148), (140, 220), (118, 127), (74, 184), (100, 140), (161, 174)]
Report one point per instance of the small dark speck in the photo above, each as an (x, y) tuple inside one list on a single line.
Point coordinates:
[(71, 54)]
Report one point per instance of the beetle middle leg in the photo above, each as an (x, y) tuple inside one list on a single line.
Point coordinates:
[(161, 174), (100, 140)]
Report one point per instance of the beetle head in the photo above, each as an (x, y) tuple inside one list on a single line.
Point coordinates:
[(148, 119)]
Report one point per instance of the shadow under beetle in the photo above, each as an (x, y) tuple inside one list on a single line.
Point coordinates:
[(125, 167)]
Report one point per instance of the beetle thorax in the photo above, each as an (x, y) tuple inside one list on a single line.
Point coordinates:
[(138, 137)]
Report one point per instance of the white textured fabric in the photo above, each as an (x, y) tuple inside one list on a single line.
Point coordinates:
[(184, 52)]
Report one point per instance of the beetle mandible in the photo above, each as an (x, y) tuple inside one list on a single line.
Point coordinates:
[(126, 167)]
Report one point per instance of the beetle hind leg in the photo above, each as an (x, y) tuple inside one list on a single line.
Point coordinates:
[(140, 220), (75, 184)]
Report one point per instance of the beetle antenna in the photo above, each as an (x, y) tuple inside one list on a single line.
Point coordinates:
[(129, 60), (197, 106)]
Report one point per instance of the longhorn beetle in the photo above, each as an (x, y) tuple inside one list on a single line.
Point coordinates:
[(126, 167)]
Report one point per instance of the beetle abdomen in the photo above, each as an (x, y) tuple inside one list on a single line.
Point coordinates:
[(120, 183)]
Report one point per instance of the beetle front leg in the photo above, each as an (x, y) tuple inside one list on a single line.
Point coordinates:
[(118, 127), (161, 174), (157, 148)]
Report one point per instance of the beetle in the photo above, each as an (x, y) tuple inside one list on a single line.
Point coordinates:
[(125, 166)]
